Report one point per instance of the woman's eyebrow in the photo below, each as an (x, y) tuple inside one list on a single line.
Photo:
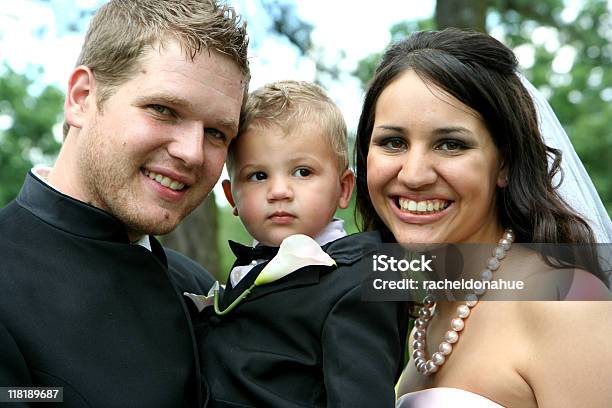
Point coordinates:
[(391, 127), (452, 129)]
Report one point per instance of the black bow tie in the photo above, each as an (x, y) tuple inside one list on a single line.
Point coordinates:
[(245, 254)]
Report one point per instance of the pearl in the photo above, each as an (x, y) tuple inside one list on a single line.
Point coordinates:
[(479, 291), (499, 253), (424, 313), (429, 301), (431, 367), (451, 336), (505, 244), (493, 264), (445, 348), (438, 358), (463, 311), (486, 275), (457, 324), (471, 300), (420, 335), (418, 345)]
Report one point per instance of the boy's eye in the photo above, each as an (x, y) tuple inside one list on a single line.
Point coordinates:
[(302, 172), (258, 176)]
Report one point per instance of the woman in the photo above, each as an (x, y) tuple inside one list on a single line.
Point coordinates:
[(448, 150)]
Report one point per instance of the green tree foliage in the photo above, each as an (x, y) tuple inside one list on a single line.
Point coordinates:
[(580, 95), (26, 122)]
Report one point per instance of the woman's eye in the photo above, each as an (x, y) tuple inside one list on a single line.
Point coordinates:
[(451, 145), (258, 176), (302, 172), (392, 143), (216, 134)]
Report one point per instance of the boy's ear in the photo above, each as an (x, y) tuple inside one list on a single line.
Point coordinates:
[(79, 96), (227, 190), (347, 184)]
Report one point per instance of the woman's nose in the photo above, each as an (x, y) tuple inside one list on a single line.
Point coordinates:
[(418, 169)]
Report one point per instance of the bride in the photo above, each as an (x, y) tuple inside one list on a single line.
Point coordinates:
[(448, 150)]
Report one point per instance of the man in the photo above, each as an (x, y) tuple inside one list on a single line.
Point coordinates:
[(89, 301)]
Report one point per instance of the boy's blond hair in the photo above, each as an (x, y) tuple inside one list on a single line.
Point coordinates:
[(121, 30), (288, 104)]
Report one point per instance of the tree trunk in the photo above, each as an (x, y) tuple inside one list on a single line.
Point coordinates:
[(196, 236), (470, 14)]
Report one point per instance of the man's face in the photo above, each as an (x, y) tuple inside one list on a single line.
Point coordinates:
[(156, 148)]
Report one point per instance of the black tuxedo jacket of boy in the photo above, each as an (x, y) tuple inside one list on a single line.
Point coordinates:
[(306, 340), (83, 309)]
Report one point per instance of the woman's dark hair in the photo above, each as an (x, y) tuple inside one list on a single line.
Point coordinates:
[(480, 72)]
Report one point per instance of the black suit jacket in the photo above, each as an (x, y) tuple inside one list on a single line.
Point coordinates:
[(307, 340), (83, 309)]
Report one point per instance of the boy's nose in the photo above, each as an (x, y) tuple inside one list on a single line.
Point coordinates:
[(280, 189)]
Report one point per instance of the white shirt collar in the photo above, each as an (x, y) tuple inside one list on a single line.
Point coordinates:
[(332, 231), (42, 173)]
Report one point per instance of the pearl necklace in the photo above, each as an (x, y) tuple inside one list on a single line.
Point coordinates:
[(429, 366)]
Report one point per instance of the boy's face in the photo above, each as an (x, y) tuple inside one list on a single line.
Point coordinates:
[(285, 185)]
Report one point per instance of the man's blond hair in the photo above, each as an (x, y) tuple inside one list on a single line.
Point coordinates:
[(121, 30), (289, 104)]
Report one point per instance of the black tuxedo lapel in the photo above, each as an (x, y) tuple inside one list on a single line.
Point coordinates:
[(308, 275)]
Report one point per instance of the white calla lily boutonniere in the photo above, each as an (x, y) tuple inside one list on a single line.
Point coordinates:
[(295, 252)]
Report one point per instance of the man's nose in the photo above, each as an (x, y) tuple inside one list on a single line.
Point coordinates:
[(188, 145), (418, 170)]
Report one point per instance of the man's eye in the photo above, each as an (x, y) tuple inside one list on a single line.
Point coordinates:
[(215, 134), (162, 110), (302, 172), (258, 176)]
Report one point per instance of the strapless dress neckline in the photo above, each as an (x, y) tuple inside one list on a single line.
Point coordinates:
[(444, 397)]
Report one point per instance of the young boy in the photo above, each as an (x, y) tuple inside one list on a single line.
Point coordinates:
[(307, 339)]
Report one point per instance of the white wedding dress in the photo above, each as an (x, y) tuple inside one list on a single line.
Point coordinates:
[(441, 397)]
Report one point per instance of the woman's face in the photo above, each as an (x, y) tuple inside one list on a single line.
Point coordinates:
[(432, 166)]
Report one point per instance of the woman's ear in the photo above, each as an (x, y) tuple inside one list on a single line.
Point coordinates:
[(502, 176), (79, 96), (227, 190), (347, 184)]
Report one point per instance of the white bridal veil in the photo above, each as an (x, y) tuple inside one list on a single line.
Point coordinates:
[(577, 189)]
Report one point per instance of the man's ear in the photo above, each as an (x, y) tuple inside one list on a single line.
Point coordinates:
[(79, 96), (347, 184), (227, 190)]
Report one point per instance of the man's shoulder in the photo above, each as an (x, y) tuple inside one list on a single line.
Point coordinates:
[(188, 275)]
